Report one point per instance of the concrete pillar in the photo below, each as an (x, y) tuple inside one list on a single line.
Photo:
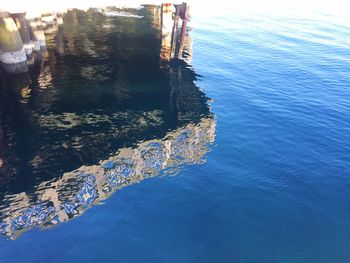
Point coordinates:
[(38, 40), (167, 27), (15, 68), (11, 45), (59, 18), (24, 30), (60, 41), (48, 19), (50, 23)]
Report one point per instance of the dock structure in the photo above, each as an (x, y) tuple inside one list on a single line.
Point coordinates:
[(24, 29)]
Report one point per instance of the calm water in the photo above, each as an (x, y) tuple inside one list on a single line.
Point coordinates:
[(257, 173)]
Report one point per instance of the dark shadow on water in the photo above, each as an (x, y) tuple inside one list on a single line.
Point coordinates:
[(97, 113)]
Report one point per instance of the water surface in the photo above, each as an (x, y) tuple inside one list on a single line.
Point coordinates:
[(274, 187)]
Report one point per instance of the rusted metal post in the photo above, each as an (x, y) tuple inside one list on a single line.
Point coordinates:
[(184, 17), (174, 32)]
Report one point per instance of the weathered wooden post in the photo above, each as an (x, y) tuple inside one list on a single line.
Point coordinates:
[(167, 26), (11, 45)]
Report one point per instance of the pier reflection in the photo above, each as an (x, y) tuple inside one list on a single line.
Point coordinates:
[(98, 114)]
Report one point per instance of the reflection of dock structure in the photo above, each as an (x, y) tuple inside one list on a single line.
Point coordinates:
[(142, 118), (74, 192), (24, 35)]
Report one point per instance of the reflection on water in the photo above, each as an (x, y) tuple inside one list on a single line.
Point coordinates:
[(97, 114)]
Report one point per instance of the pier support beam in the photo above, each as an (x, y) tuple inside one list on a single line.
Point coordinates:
[(48, 19), (167, 27), (39, 40), (174, 32), (184, 16), (24, 30), (59, 19), (11, 45), (172, 43)]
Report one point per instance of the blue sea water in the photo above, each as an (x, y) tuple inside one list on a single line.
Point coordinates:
[(275, 184)]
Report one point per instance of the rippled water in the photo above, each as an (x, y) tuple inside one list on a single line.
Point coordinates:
[(273, 181)]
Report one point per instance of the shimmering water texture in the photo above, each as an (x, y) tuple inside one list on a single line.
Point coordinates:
[(100, 114)]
